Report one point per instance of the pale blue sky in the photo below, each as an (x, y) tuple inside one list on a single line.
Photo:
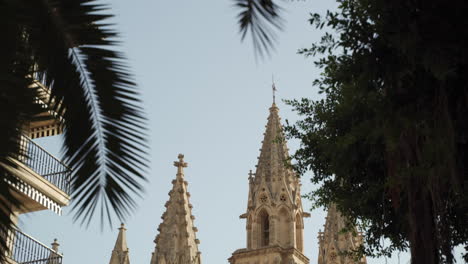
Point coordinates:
[(208, 98)]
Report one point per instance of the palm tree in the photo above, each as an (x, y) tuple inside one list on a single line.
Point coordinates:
[(67, 46), (261, 18)]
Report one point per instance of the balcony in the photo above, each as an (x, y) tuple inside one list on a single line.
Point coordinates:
[(45, 164), (47, 123), (42, 181), (26, 250)]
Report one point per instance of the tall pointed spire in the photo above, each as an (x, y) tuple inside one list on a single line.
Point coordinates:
[(120, 252), (176, 242), (274, 210), (334, 244), (274, 157)]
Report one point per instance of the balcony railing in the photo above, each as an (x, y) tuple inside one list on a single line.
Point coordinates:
[(45, 164), (27, 250)]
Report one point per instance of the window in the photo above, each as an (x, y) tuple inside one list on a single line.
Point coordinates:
[(266, 231), (263, 229)]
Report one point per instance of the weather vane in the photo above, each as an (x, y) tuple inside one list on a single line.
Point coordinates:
[(273, 87)]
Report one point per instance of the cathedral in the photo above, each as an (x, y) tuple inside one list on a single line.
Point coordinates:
[(274, 217)]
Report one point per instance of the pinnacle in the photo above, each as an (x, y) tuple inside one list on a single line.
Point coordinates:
[(120, 252), (55, 245), (177, 233), (334, 224), (53, 256), (273, 153)]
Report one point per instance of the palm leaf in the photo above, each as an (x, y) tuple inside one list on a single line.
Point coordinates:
[(105, 135), (261, 18), (105, 128)]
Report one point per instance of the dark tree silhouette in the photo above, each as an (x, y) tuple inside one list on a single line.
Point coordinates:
[(67, 46), (389, 141)]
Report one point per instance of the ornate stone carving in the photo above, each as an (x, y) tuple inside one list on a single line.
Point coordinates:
[(269, 198), (176, 242), (334, 244)]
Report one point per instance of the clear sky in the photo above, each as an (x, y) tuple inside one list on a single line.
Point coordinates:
[(208, 98)]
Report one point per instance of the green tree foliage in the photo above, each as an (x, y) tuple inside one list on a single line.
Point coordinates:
[(67, 45), (389, 141)]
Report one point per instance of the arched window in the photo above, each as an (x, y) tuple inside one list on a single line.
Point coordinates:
[(264, 229)]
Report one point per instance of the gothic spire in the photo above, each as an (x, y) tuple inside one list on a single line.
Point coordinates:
[(275, 225), (176, 242), (274, 156), (333, 242), (120, 252)]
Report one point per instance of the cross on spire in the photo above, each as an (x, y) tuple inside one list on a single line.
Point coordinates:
[(180, 164)]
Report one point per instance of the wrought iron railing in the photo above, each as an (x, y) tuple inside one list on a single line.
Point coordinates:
[(45, 164), (27, 250)]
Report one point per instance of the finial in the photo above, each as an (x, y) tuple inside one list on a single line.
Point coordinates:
[(273, 87), (251, 175), (180, 164), (55, 245), (122, 226)]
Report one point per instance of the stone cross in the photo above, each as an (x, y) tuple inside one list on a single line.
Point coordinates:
[(180, 164)]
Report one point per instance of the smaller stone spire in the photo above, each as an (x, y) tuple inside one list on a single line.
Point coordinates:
[(333, 243), (120, 252), (54, 257), (176, 242)]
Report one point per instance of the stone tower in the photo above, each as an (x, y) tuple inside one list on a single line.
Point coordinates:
[(176, 242), (334, 243), (274, 211), (120, 252)]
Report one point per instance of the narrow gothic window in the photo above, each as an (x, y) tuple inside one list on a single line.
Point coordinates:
[(262, 229), (266, 230)]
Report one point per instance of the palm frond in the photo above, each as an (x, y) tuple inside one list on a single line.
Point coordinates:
[(261, 18), (105, 128)]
